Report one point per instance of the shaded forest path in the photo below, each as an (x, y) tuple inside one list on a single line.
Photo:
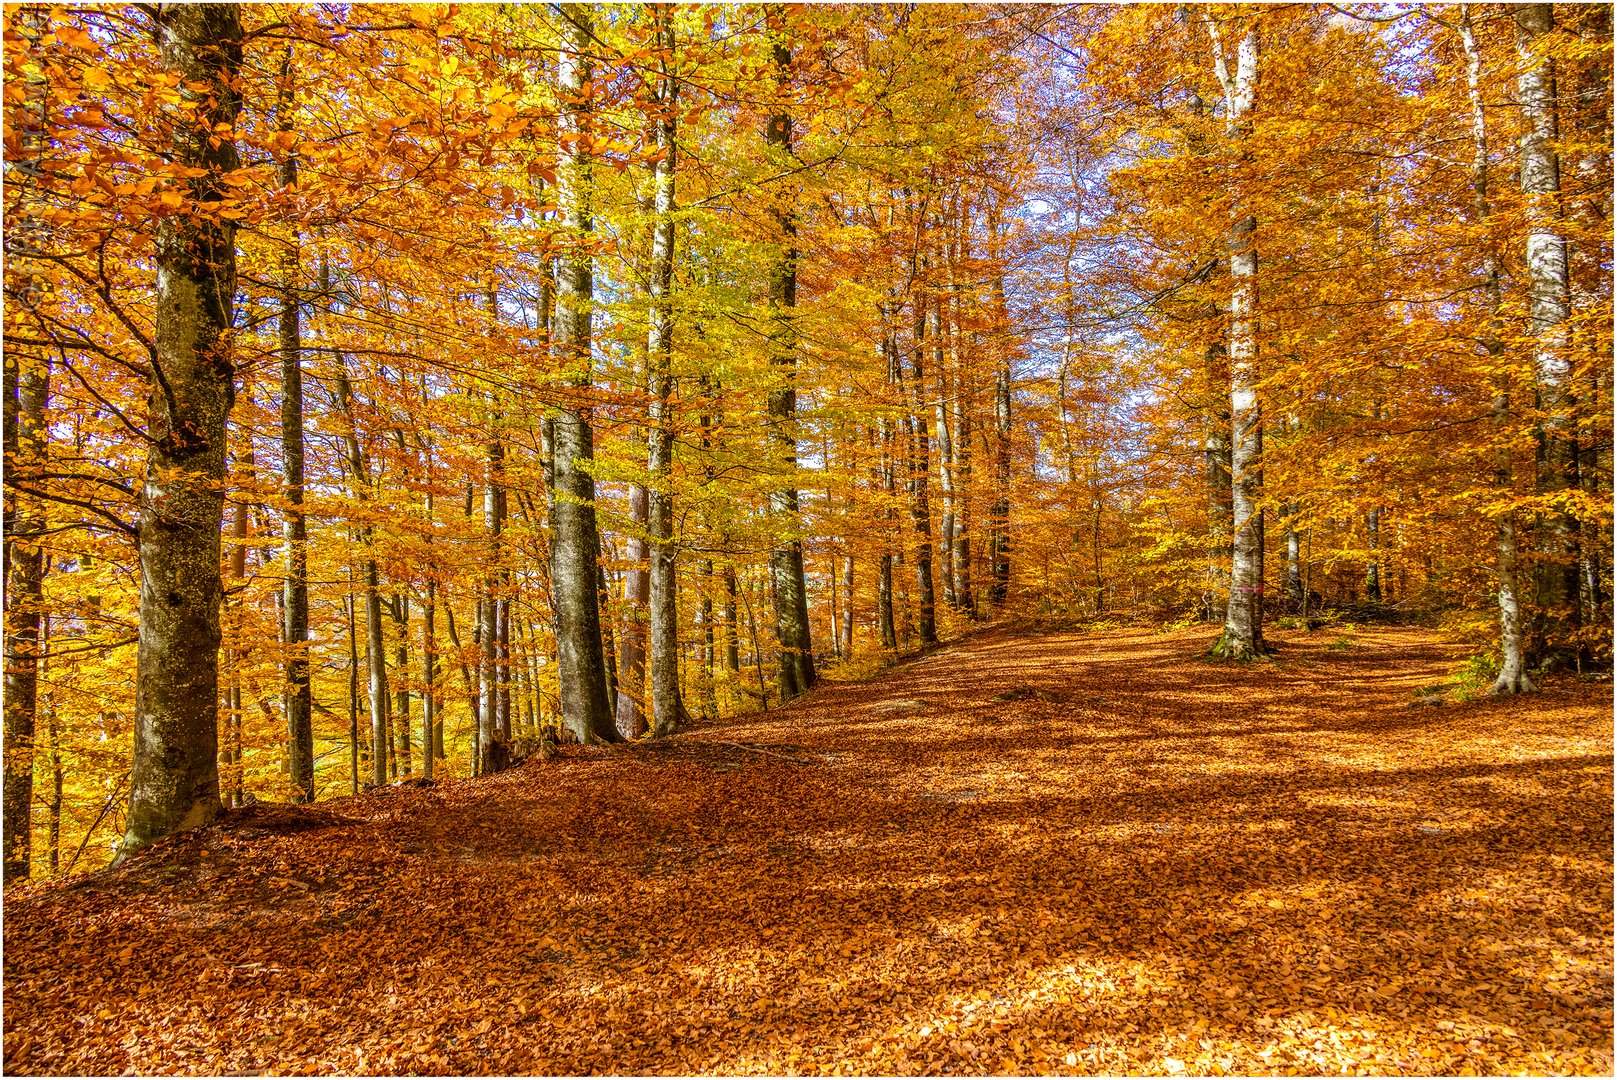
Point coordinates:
[(1047, 853)]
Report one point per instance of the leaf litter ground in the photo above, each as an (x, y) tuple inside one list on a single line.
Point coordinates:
[(1026, 853)]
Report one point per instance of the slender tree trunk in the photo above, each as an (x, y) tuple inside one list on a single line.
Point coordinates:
[(53, 738), (732, 637), (1554, 640), (27, 389), (1590, 99), (846, 631), (961, 410), (886, 627), (174, 780), (375, 648), (1243, 621), (1513, 666), (376, 660), (401, 695), (1220, 495), (709, 700), (945, 455), (575, 571), (28, 397), (503, 669), (667, 707), (999, 516), (1294, 556), (631, 711), (429, 679), (710, 704), (353, 690), (1372, 566), (786, 559), (609, 649), (920, 453), (297, 702)]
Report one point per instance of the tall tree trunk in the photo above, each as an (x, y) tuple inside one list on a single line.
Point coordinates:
[(946, 523), (353, 690), (960, 408), (667, 707), (1591, 98), (174, 780), (1513, 662), (429, 679), (920, 453), (53, 742), (710, 704), (28, 396), (231, 781), (886, 625), (1554, 638), (298, 703), (786, 558), (493, 743), (999, 515), (27, 388), (375, 648), (575, 570), (1243, 621)]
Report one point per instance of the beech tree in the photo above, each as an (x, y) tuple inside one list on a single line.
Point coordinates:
[(549, 372), (175, 779)]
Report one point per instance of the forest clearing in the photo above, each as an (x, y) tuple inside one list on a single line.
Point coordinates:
[(1028, 853), (783, 538)]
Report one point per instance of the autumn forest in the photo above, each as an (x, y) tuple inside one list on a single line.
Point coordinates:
[(771, 512)]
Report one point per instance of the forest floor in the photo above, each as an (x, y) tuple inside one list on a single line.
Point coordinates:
[(1024, 853)]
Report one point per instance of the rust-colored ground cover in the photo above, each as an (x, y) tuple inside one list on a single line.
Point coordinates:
[(1131, 861)]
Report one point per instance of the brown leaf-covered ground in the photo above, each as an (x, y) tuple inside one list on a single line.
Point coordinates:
[(1027, 853)]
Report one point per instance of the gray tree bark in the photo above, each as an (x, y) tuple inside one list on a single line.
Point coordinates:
[(631, 703), (786, 558), (667, 707), (27, 390), (1512, 677), (1550, 307), (27, 401), (174, 779), (920, 454), (960, 409), (999, 514), (297, 702), (1242, 638), (1220, 495), (375, 647), (575, 571)]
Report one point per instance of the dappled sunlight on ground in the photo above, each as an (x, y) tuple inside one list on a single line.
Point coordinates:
[(1028, 853)]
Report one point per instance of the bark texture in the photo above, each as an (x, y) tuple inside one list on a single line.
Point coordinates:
[(667, 707), (786, 558), (575, 570), (27, 389), (1553, 640), (298, 705), (1242, 638), (174, 782)]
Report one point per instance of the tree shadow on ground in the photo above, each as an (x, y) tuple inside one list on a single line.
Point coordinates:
[(1132, 884)]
